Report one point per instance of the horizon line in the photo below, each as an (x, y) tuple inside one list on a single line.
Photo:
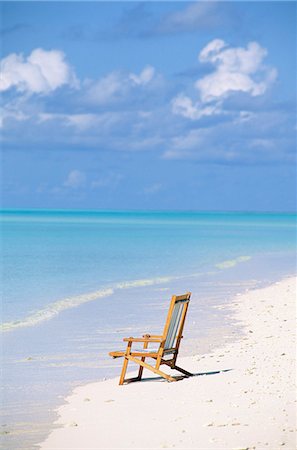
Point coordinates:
[(169, 211)]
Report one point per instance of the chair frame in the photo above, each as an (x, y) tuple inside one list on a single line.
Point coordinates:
[(139, 357)]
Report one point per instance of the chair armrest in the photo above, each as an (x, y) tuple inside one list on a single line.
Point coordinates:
[(144, 339), (153, 335)]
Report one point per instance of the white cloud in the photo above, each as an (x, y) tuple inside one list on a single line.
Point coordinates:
[(211, 49), (184, 106), (195, 16), (256, 137), (75, 179), (153, 189), (42, 72), (81, 122), (192, 142), (145, 114), (11, 113), (214, 144), (111, 180), (263, 143), (117, 85), (245, 116), (144, 77), (235, 68), (105, 89)]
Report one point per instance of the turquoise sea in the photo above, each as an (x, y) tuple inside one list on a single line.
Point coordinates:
[(75, 282)]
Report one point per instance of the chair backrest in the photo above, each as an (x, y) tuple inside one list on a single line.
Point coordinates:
[(175, 320)]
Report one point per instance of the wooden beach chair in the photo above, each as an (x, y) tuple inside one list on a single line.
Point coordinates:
[(167, 350)]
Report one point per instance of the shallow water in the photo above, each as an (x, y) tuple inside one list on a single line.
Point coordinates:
[(75, 283)]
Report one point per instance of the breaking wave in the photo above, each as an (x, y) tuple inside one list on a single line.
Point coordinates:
[(232, 262), (55, 308)]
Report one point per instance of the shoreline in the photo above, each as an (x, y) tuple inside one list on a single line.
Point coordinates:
[(208, 327), (243, 394)]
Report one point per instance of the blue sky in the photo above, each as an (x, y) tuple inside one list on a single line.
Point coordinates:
[(160, 105)]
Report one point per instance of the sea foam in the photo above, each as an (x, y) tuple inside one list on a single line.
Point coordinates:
[(232, 262), (54, 309)]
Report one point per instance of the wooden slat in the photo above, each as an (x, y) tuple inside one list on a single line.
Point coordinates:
[(145, 345), (116, 354), (168, 351), (184, 296), (153, 335), (136, 353), (148, 339), (152, 369), (125, 363), (146, 354)]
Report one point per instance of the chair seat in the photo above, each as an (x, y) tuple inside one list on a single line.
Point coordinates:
[(138, 351), (149, 350), (135, 352), (145, 350)]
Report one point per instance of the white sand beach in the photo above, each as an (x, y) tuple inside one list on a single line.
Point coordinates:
[(243, 395)]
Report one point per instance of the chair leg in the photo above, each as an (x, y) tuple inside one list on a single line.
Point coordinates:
[(124, 369), (141, 369), (153, 369), (158, 362)]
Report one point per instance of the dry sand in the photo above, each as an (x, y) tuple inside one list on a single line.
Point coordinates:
[(242, 397)]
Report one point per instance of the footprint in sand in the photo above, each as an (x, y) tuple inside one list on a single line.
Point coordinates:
[(73, 424)]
